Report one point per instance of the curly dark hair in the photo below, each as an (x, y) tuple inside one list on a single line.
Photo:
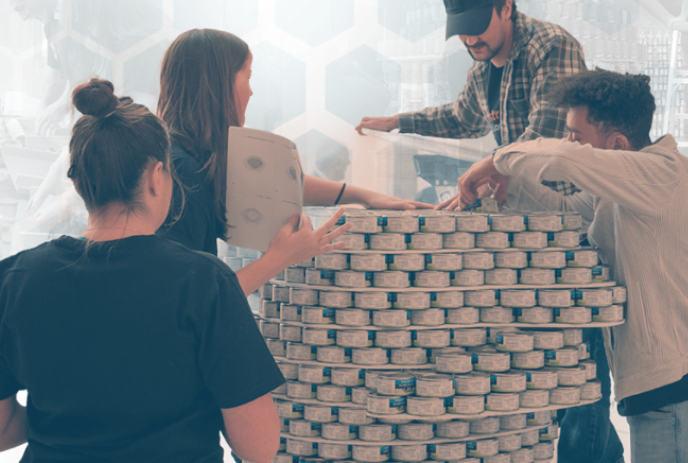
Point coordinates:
[(615, 102), (499, 4)]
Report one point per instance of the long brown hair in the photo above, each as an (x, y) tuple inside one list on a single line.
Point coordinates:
[(197, 100)]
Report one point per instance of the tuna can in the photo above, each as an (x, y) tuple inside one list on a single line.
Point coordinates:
[(555, 298), (496, 315), (387, 242), (290, 313), (265, 291), (393, 339), (328, 451), (518, 298), (314, 374), (318, 337), (281, 389), (584, 258), (529, 240), (295, 275), (409, 356), (584, 350), (482, 448), (320, 414), (543, 451), (332, 262), (437, 223), (534, 398), (352, 279), (512, 422), (528, 360), (594, 297), (372, 300), (447, 452), (377, 432), (549, 433), (411, 301), (566, 357), (564, 239), (364, 224), (428, 317), (592, 390), (308, 263), (509, 341), (276, 347), (491, 362), (514, 260), (338, 431), (547, 259), (359, 395), (391, 318), (530, 437), (284, 425), (336, 299), (565, 396), (535, 315), (402, 223), (280, 276), (367, 453), (590, 369), (355, 338), (391, 279), (320, 277), (459, 240), (317, 316), (289, 370), (447, 299), (507, 222), (289, 410), (397, 384), (269, 309), (573, 336), (481, 298), (462, 316), (492, 240), (298, 351), (501, 402), (572, 376), (444, 351), (355, 416), (280, 293), (416, 431), (473, 223), (290, 333), (573, 315), (301, 448), (465, 405), (386, 405), (352, 317), (572, 221), (469, 337), (508, 382), (424, 241), (574, 276), (485, 425), (406, 262), (302, 428), (350, 377), (435, 386), (432, 338), (536, 276), (478, 261), (452, 429), (368, 262), (270, 330), (612, 313), (369, 356), (541, 418), (618, 295), (454, 363), (443, 262), (545, 222), (431, 279), (409, 453), (501, 276), (509, 443), (499, 458), (472, 384), (523, 455), (297, 390), (333, 354)]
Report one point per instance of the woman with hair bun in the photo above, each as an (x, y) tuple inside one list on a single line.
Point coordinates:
[(132, 347), (205, 89)]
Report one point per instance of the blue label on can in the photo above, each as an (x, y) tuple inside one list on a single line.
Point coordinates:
[(331, 334), (596, 271), (353, 429), (499, 339), (314, 388), (550, 236), (398, 403), (433, 296), (391, 297), (550, 355), (368, 277), (347, 351), (498, 295), (366, 238), (448, 402), (347, 390), (412, 276), (510, 237), (452, 275), (326, 274), (297, 408), (382, 221), (341, 220), (529, 376), (385, 450), (595, 311), (428, 259), (421, 221), (557, 313), (335, 411), (371, 335), (327, 371), (408, 315), (414, 335), (328, 313), (570, 256), (557, 273), (315, 425), (361, 374), (474, 359), (314, 350), (394, 428), (407, 239), (525, 220), (576, 295), (517, 311), (530, 416), (471, 446), (405, 383), (432, 448), (389, 259), (493, 379)]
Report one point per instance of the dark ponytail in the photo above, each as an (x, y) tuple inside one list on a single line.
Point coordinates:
[(112, 145)]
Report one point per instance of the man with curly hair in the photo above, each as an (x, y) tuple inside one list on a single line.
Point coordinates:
[(632, 191)]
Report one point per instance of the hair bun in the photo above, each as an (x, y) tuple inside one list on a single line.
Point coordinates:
[(95, 98)]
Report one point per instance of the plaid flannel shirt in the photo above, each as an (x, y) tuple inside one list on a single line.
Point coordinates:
[(541, 54)]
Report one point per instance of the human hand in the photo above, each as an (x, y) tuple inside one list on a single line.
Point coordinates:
[(482, 173), (49, 120), (374, 200), (384, 124), (289, 246), (455, 204)]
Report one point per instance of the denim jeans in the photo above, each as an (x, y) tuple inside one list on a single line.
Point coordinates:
[(660, 435), (586, 433)]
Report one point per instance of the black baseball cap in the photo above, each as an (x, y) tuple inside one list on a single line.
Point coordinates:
[(468, 17)]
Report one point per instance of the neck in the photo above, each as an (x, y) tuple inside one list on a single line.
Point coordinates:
[(499, 60), (116, 225)]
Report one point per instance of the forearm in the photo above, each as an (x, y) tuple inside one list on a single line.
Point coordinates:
[(256, 274), (13, 424), (321, 191)]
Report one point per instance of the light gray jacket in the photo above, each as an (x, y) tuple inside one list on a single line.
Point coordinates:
[(640, 223)]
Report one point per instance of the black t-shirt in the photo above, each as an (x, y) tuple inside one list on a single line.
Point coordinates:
[(197, 227), (657, 398), (493, 91), (128, 351)]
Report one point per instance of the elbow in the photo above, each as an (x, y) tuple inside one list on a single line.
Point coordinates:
[(263, 452)]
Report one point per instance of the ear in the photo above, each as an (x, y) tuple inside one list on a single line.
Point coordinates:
[(156, 178), (618, 141), (507, 8)]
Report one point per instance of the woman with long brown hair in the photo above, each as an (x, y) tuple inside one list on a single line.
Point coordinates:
[(204, 89)]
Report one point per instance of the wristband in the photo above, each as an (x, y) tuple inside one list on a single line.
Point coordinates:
[(341, 192)]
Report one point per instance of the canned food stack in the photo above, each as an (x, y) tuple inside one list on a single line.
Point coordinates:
[(391, 352)]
